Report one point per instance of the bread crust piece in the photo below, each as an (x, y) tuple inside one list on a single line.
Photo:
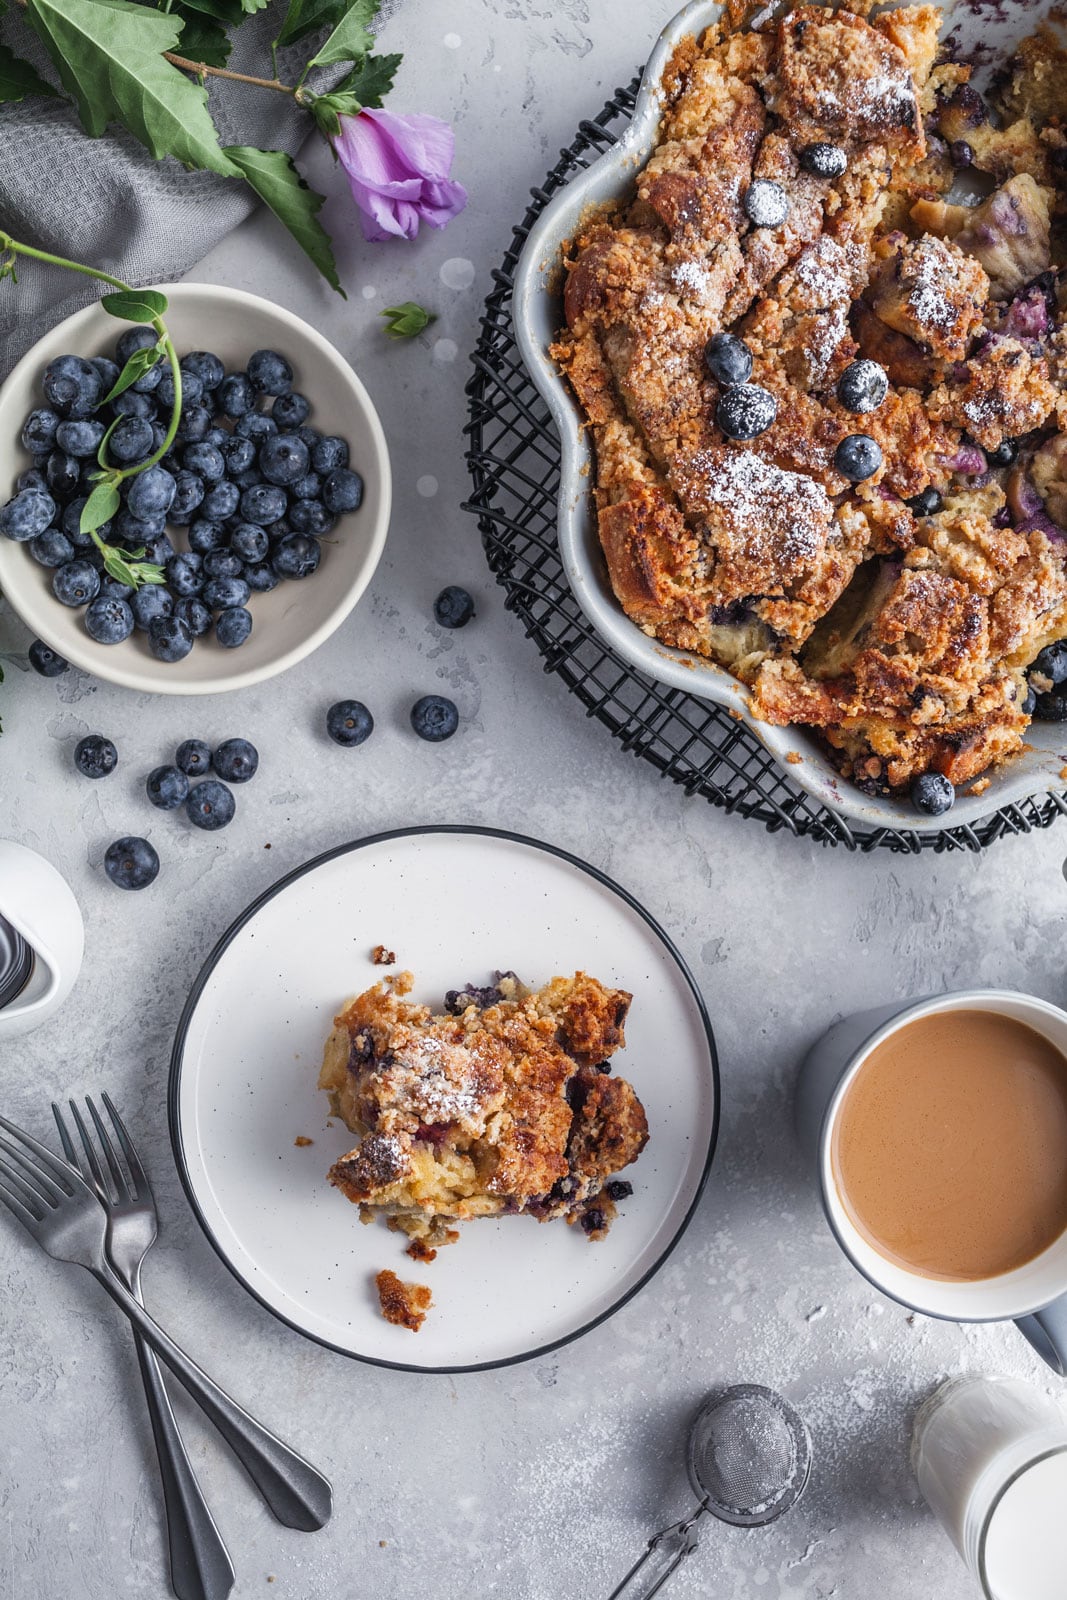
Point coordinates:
[(404, 1304), (480, 1113)]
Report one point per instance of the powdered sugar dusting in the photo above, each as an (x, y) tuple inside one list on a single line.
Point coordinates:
[(932, 280), (691, 279), (822, 274)]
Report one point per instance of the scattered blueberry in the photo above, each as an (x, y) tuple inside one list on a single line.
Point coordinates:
[(862, 386), (95, 756), (32, 478), (194, 758), (169, 639), (46, 661), (349, 723), (270, 373), (766, 203), (927, 503), (236, 760), (453, 607), (167, 788), (76, 583), (233, 627), (745, 411), (194, 424), (210, 805), (131, 404), (296, 556), (932, 794), (342, 491), (108, 621), (618, 1189), (192, 389), (28, 514), (823, 160), (858, 457), (131, 863), (434, 718), (728, 358)]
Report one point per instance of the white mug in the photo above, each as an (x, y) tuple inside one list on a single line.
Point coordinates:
[(38, 903), (1034, 1295)]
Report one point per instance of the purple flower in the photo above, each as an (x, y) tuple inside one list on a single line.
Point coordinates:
[(397, 169)]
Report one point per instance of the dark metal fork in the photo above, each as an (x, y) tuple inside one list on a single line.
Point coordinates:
[(55, 1204), (200, 1566)]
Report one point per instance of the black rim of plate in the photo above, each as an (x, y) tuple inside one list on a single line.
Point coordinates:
[(178, 1051), (513, 456)]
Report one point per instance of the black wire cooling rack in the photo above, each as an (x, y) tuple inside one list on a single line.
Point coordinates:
[(514, 462)]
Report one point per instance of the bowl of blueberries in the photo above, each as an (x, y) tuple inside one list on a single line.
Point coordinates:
[(262, 523)]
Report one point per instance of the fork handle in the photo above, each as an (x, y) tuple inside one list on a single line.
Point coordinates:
[(298, 1495), (200, 1565)]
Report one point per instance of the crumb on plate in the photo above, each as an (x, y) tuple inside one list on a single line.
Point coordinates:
[(302, 1141), (404, 1304), (383, 957)]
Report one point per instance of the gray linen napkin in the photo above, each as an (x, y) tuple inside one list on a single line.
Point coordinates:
[(108, 203)]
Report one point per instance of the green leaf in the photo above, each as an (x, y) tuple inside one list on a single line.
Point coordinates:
[(109, 56), (350, 39), (249, 6), (227, 12), (279, 185), (308, 16), (203, 39), (136, 367), (406, 320), (370, 80), (135, 305), (128, 569), (18, 78), (100, 507)]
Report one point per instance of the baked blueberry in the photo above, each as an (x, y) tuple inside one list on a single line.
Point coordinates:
[(1051, 662), (283, 458), (862, 386), (823, 160), (1051, 707), (28, 514), (108, 621), (728, 358), (291, 410), (51, 548), (236, 395), (151, 603), (39, 431), (169, 639), (1004, 454), (342, 491), (151, 493), (329, 452), (46, 661), (927, 503), (193, 758), (167, 787), (205, 366), (270, 373), (236, 760), (618, 1189), (297, 555), (745, 411), (434, 718), (858, 457), (95, 756), (131, 441), (194, 613), (1029, 701), (766, 203), (223, 594), (185, 574), (233, 627), (210, 805), (453, 607), (263, 504), (131, 863), (932, 794), (72, 386), (349, 723), (75, 583)]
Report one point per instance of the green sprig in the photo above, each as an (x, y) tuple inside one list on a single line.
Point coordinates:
[(406, 320)]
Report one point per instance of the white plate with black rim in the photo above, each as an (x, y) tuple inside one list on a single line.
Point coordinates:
[(454, 904)]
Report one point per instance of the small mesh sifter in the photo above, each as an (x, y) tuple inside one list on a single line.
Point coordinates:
[(748, 1457)]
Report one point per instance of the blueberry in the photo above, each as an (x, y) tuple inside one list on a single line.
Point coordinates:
[(62, 474), (858, 457), (134, 531), (134, 339), (1051, 707), (218, 437), (260, 579), (343, 491), (210, 805), (131, 441), (221, 501), (167, 788), (249, 542), (188, 493), (131, 404), (296, 556), (28, 514), (290, 410), (195, 422), (254, 425), (236, 395), (224, 594), (72, 386), (150, 381), (206, 366), (81, 438), (349, 723), (1004, 454), (311, 437), (434, 718), (151, 493), (745, 410), (46, 661), (76, 583), (238, 454), (263, 504), (862, 386), (310, 516), (205, 536), (158, 550), (283, 458), (1029, 702), (70, 522), (95, 756), (236, 760), (185, 575), (150, 604), (110, 589), (927, 503), (165, 394), (107, 371), (194, 613), (32, 478), (39, 431), (51, 548), (453, 607), (309, 487), (823, 160), (205, 461), (932, 794), (194, 758), (766, 203), (1051, 662), (246, 480), (329, 452), (618, 1189), (728, 358), (270, 373), (169, 639), (227, 563), (109, 621), (131, 863)]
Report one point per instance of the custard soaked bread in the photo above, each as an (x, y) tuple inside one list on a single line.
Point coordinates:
[(826, 400), (504, 1104)]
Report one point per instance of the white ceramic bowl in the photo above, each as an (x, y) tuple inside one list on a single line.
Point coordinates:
[(538, 314), (293, 619)]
